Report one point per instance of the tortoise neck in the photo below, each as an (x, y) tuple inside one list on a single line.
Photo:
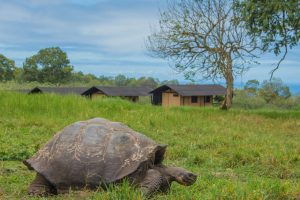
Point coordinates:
[(165, 172)]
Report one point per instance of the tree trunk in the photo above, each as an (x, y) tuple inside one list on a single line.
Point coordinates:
[(227, 103)]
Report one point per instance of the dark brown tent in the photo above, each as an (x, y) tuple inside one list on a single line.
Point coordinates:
[(131, 93), (59, 90), (192, 95)]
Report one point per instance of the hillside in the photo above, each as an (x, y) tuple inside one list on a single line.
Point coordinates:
[(237, 154)]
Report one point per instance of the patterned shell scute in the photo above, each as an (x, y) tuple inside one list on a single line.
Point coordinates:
[(92, 152)]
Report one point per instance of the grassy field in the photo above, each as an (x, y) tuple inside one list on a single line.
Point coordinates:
[(238, 154)]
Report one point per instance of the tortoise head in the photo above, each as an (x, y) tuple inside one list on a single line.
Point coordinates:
[(181, 175)]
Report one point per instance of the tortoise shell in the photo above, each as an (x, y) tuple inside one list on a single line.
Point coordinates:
[(95, 152)]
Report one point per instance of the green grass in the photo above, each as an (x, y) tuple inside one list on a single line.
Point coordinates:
[(239, 154)]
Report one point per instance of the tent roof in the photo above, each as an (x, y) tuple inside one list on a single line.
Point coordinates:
[(193, 90)]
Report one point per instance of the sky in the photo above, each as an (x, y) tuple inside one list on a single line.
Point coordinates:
[(106, 37)]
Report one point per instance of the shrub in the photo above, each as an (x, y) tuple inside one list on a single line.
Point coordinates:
[(242, 100)]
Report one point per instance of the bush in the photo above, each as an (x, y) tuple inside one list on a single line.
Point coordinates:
[(282, 103), (243, 100)]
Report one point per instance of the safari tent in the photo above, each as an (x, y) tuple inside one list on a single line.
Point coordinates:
[(126, 92), (25, 91), (186, 95), (58, 90)]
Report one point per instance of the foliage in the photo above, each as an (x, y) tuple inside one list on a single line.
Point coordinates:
[(7, 68), (270, 90), (218, 99), (251, 87), (146, 81), (79, 79), (120, 80), (290, 103), (242, 154), (243, 100), (270, 94), (51, 67), (30, 71), (84, 78), (48, 65), (276, 24), (18, 75)]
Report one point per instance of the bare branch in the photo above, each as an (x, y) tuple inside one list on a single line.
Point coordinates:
[(285, 46), (279, 62)]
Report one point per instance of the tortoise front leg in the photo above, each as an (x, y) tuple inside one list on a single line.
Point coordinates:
[(153, 183), (41, 187)]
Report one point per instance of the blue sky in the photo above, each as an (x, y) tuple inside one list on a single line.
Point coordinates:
[(106, 37)]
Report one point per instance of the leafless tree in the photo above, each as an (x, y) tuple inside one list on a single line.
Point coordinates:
[(204, 38)]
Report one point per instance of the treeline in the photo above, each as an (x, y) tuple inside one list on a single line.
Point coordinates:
[(52, 66), (268, 94)]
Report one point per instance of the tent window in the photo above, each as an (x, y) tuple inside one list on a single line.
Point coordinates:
[(207, 99), (194, 99)]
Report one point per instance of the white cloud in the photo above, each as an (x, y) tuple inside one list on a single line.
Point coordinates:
[(102, 37), (13, 13), (116, 31), (288, 73), (123, 32)]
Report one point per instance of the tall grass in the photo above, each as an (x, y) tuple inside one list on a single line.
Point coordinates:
[(239, 154)]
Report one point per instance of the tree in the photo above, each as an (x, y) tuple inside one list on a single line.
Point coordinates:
[(252, 87), (30, 70), (84, 78), (7, 68), (120, 80), (147, 81), (106, 80), (18, 74), (271, 90), (203, 38), (276, 24), (48, 65)]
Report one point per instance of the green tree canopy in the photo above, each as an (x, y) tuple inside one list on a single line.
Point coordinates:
[(120, 80), (31, 71), (147, 81), (252, 86), (7, 68), (270, 90), (48, 65), (275, 23)]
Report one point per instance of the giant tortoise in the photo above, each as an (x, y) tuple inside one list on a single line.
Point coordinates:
[(98, 152)]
